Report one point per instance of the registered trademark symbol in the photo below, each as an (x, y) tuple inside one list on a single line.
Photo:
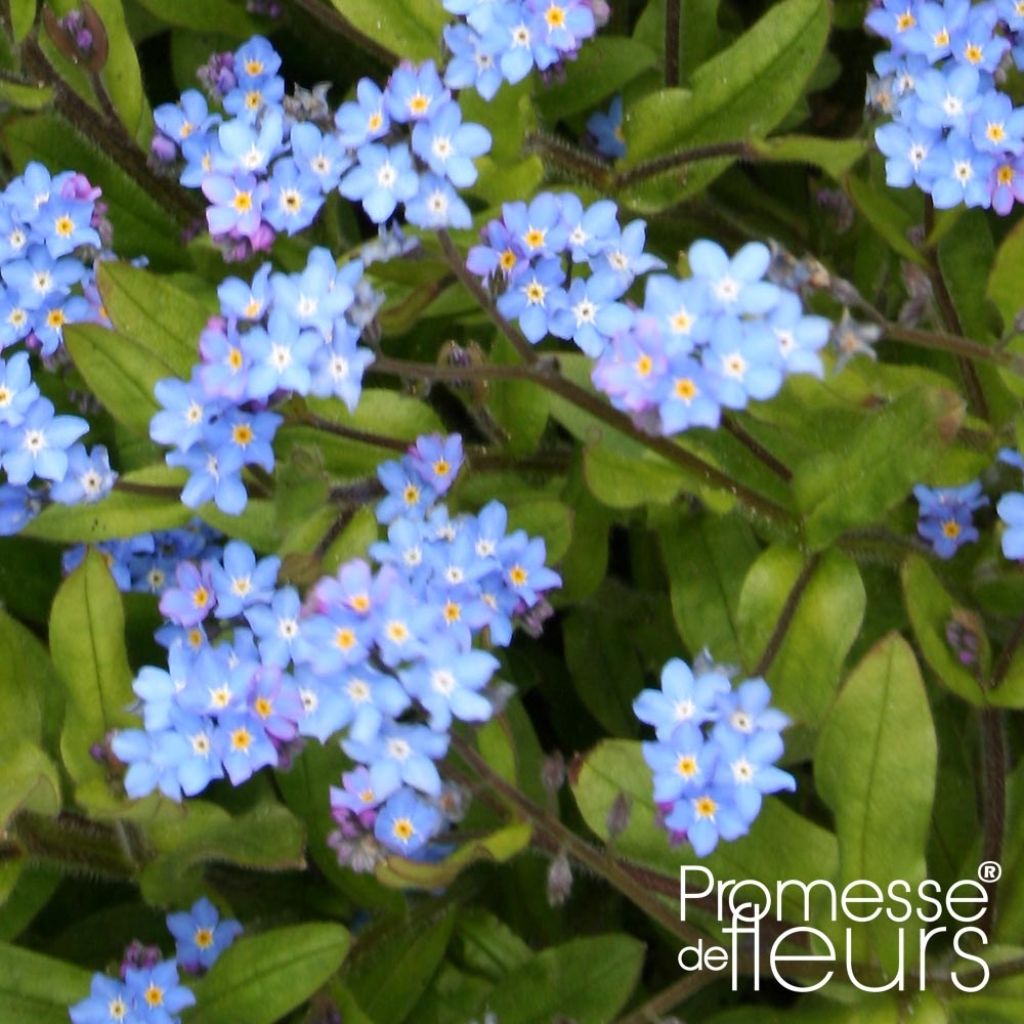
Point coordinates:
[(990, 871)]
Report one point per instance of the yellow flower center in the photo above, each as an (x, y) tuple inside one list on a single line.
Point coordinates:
[(154, 995), (200, 597), (241, 739), (644, 365), (403, 829), (951, 529), (507, 260), (235, 358), (685, 389), (263, 707), (705, 807), (1005, 174), (344, 639), (203, 938), (64, 226), (686, 766), (518, 575), (242, 202), (242, 435)]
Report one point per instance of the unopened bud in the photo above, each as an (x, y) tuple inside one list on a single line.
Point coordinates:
[(559, 880), (552, 772), (618, 815)]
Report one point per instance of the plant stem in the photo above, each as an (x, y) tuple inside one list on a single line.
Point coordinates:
[(959, 346), (734, 427), (393, 444), (950, 317), (331, 19), (785, 619), (993, 801), (552, 381), (673, 29), (560, 837), (109, 135), (669, 998)]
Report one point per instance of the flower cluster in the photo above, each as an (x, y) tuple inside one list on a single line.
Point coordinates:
[(52, 229), (385, 655), (504, 40), (148, 990), (148, 562), (954, 132), (715, 753), (946, 514), (267, 163), (711, 341), (276, 335)]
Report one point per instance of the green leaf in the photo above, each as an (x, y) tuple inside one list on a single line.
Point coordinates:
[(120, 514), (221, 16), (931, 609), (410, 29), (23, 14), (1003, 286), (623, 481), (87, 644), (876, 768), (806, 669), (889, 218), (28, 781), (601, 69), (268, 838), (121, 76), (834, 156), (966, 256), (892, 451), (137, 302), (20, 713), (587, 980), (741, 93), (781, 844), (487, 946), (261, 978), (36, 989), (394, 962), (497, 847), (551, 520), (120, 372), (706, 558)]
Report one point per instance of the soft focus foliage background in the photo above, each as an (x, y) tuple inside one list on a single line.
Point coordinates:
[(811, 573)]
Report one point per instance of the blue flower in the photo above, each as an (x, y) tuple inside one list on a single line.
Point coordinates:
[(682, 699), (109, 1002), (538, 227), (470, 64), (606, 129), (294, 198), (200, 935), (448, 146), (156, 992), (447, 683), (1011, 511), (747, 764), (88, 477), (589, 315), (17, 391), (381, 179), (364, 119), (188, 117), (735, 285), (945, 516), (437, 205), (414, 93), (534, 297), (706, 817), (249, 148), (318, 156), (281, 356), (38, 445), (237, 203), (401, 754), (240, 581), (277, 626), (406, 822), (961, 174)]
